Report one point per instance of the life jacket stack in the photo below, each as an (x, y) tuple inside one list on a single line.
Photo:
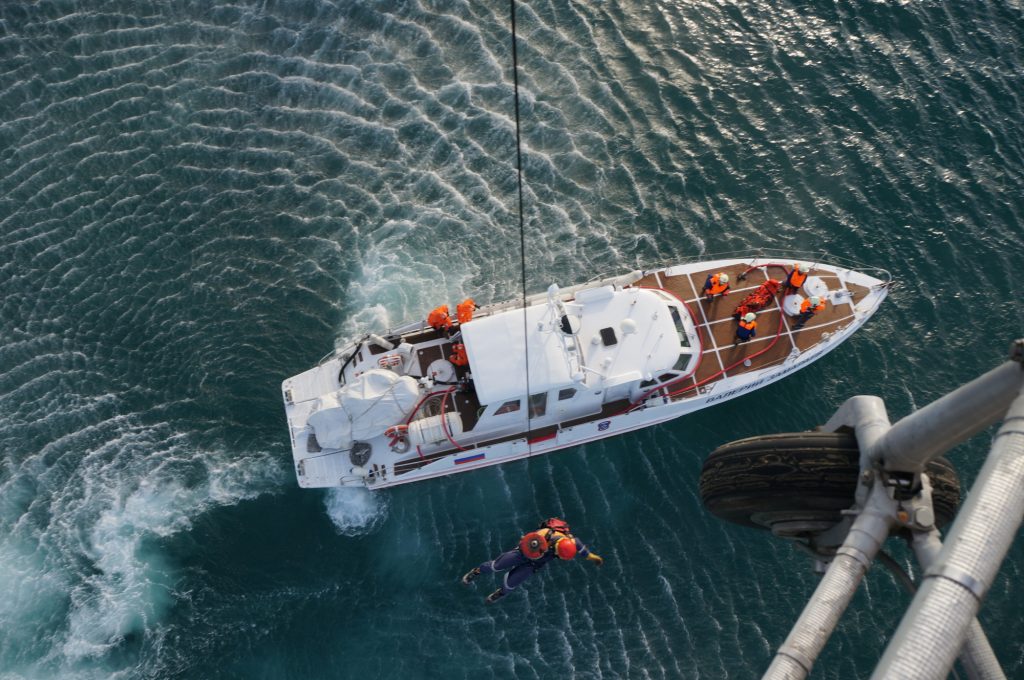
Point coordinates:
[(757, 300), (458, 356)]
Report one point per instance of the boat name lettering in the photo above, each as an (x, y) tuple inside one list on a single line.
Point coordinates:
[(757, 383)]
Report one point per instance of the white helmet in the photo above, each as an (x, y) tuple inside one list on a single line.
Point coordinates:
[(815, 300), (723, 278), (749, 316)]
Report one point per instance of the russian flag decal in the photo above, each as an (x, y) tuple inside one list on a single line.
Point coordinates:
[(469, 459)]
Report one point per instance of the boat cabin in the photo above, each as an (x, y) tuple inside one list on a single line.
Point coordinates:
[(565, 359)]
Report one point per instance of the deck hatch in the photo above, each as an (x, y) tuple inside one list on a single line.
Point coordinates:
[(608, 337)]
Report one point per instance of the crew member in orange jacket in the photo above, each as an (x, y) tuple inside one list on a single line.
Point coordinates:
[(796, 278), (464, 310), (746, 329), (439, 319), (716, 285), (809, 308)]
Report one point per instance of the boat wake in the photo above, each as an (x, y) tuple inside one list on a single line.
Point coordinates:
[(355, 512)]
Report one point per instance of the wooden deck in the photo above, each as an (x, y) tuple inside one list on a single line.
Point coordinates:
[(717, 327)]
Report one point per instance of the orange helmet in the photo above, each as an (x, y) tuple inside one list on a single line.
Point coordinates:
[(566, 548), (534, 545)]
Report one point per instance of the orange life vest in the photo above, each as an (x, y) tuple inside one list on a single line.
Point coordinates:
[(748, 326), (806, 307), (545, 539), (458, 356), (715, 286), (797, 278), (438, 318), (465, 309)]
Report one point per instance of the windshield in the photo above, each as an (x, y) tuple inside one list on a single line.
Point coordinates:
[(684, 337)]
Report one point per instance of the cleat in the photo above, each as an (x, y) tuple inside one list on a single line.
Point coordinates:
[(495, 596), (470, 575)]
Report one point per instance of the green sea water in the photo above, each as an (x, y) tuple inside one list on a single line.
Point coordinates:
[(199, 199)]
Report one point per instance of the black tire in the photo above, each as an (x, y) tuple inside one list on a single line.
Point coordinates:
[(800, 480)]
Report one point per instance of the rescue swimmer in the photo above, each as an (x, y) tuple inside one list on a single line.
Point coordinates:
[(551, 540)]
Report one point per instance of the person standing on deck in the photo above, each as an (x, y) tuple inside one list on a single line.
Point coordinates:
[(746, 329), (795, 278), (716, 285), (537, 548), (809, 308)]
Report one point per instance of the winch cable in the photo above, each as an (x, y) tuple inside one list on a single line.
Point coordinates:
[(522, 265), (522, 226), (522, 255)]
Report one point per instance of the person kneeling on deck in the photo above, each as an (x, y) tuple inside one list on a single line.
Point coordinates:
[(439, 319), (746, 329), (809, 308), (552, 539), (716, 285), (464, 310), (795, 279)]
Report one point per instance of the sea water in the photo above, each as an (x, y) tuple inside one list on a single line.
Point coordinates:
[(199, 199)]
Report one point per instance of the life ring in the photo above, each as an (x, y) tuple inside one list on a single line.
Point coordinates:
[(398, 438), (390, 361)]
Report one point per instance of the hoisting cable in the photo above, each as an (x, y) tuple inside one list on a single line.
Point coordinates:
[(522, 265), (522, 227)]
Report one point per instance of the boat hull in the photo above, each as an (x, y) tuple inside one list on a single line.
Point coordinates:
[(726, 372)]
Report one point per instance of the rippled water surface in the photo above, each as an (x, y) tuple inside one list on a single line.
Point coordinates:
[(199, 199)]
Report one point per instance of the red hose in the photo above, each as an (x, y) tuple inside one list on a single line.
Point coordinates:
[(778, 333)]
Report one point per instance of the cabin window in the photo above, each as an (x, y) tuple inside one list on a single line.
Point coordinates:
[(684, 337), (538, 404), (682, 362), (507, 407), (567, 393)]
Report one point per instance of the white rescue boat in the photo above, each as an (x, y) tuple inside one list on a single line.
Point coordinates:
[(574, 365)]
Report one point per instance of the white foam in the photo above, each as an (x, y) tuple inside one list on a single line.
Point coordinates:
[(133, 586), (355, 512)]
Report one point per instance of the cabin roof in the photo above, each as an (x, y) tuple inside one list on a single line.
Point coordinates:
[(496, 347)]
